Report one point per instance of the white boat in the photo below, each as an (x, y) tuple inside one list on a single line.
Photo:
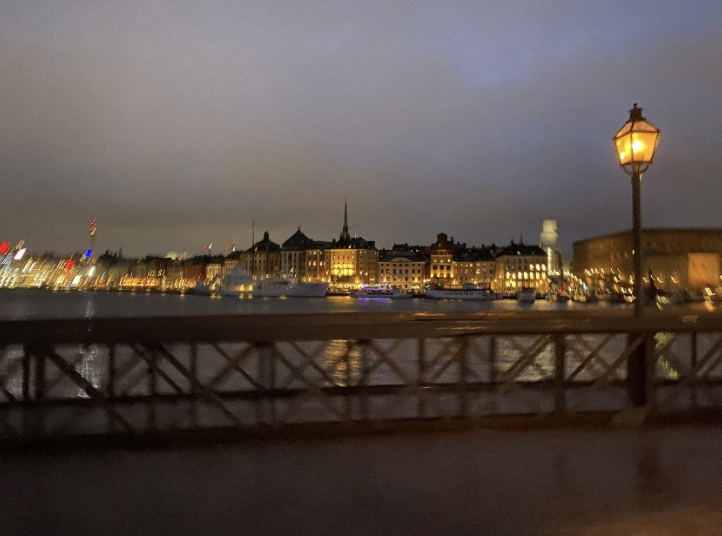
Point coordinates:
[(284, 286), (469, 292), (379, 291), (238, 282), (526, 295)]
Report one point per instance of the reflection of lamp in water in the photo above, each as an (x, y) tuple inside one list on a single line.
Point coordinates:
[(635, 144)]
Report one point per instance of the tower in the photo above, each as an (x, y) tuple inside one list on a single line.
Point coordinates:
[(549, 236), (548, 241), (345, 236)]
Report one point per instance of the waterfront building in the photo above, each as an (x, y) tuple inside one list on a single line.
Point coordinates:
[(112, 269), (263, 259), (229, 263), (453, 265), (403, 269), (441, 257), (677, 259), (303, 258), (521, 266), (474, 266), (352, 261), (213, 271), (318, 262)]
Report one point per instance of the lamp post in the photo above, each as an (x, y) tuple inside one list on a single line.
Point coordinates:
[(635, 143)]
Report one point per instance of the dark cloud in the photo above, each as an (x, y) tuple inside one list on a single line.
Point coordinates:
[(177, 125)]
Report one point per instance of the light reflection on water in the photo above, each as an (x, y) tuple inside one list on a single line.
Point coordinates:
[(342, 360)]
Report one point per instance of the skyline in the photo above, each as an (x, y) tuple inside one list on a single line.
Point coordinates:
[(177, 126)]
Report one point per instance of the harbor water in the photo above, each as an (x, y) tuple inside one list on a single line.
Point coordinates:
[(45, 304)]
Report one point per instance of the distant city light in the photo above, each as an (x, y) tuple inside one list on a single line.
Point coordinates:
[(20, 254)]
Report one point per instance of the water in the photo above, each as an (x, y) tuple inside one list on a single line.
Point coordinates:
[(44, 304)]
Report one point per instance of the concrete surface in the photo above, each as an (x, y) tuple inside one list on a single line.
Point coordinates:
[(580, 481)]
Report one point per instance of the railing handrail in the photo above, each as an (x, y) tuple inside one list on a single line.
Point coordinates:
[(324, 326)]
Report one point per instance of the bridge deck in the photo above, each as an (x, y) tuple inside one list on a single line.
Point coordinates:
[(583, 481)]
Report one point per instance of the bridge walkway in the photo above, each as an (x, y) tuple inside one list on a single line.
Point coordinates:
[(561, 481)]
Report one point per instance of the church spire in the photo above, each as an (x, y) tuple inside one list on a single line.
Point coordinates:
[(344, 233)]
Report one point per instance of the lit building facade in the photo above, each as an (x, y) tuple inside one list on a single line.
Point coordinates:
[(678, 259), (441, 261), (294, 256), (453, 265), (402, 269), (475, 266), (351, 261), (263, 259), (521, 266)]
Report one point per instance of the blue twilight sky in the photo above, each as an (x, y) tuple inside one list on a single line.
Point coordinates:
[(180, 122)]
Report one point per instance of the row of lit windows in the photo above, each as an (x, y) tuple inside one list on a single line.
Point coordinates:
[(528, 266), (513, 284), (526, 275)]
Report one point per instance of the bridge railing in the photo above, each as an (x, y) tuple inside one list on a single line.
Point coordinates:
[(147, 375)]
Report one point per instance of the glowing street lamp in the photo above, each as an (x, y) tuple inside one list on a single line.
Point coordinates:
[(635, 143)]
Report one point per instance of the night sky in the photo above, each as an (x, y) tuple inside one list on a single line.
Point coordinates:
[(180, 122)]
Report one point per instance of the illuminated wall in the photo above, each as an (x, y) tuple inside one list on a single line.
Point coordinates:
[(678, 258), (402, 272)]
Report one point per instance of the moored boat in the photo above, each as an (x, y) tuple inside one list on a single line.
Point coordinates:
[(284, 286), (526, 295), (468, 292), (237, 283), (379, 291)]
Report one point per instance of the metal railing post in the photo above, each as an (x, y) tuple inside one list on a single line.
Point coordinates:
[(421, 378), (110, 387), (637, 381), (560, 405), (363, 381), (40, 392), (152, 388), (463, 394), (192, 389), (693, 368)]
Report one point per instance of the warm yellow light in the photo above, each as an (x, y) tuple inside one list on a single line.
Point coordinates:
[(636, 140)]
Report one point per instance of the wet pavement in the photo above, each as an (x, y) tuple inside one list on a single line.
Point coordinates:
[(570, 481)]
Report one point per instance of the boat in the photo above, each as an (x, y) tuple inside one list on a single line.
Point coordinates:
[(468, 292), (335, 291), (203, 289), (237, 283), (286, 286), (526, 295), (379, 291)]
